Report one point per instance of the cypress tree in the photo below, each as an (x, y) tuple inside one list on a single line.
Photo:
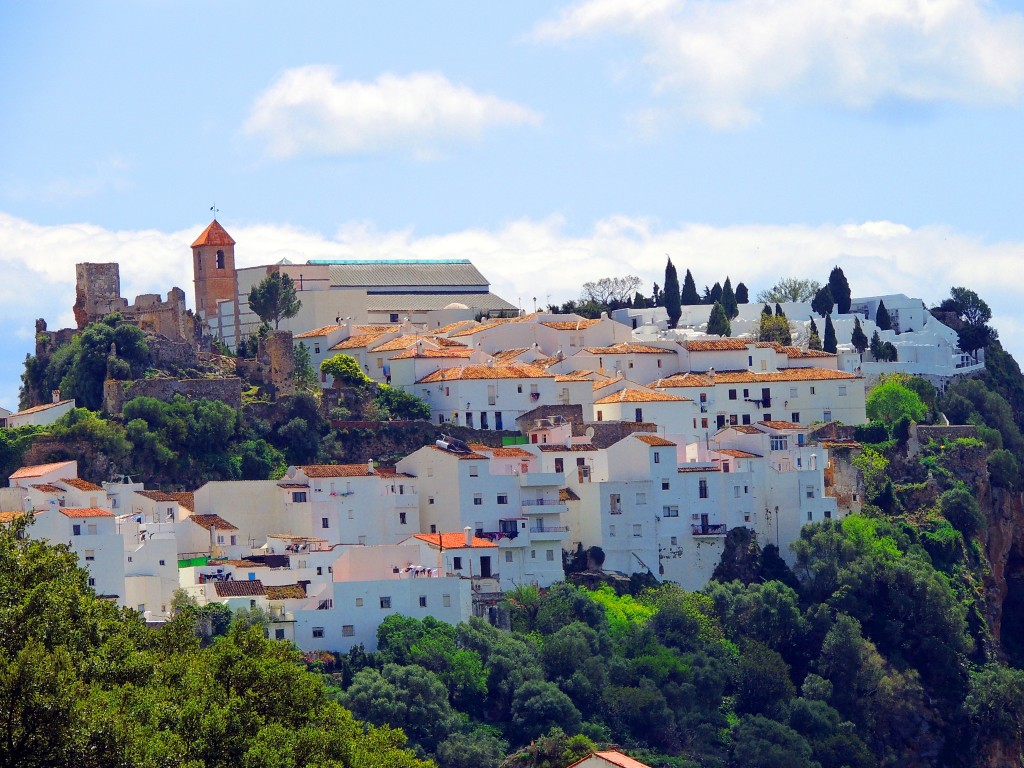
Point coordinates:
[(767, 310), (876, 346), (742, 294), (690, 295), (858, 337), (882, 319), (829, 343), (778, 310), (814, 342), (715, 294), (823, 302), (718, 323), (729, 303), (671, 293), (840, 288)]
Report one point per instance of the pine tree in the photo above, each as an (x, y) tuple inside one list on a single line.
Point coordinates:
[(718, 323), (690, 295), (729, 303), (742, 294), (671, 294), (882, 319), (858, 337), (829, 343), (840, 288), (823, 301)]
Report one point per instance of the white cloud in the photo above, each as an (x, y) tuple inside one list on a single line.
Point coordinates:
[(724, 58), (308, 110), (523, 259)]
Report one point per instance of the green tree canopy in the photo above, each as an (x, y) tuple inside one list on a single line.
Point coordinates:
[(823, 301), (789, 289), (890, 399), (829, 343), (742, 294), (671, 294), (839, 286), (345, 369), (882, 319), (729, 302), (689, 295), (274, 299), (858, 338), (718, 321)]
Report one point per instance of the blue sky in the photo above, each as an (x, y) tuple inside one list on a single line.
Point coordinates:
[(553, 143)]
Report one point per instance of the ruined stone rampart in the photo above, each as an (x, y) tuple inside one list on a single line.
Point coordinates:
[(117, 393)]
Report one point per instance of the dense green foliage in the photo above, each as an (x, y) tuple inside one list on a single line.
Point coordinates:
[(274, 299), (689, 295), (774, 328), (345, 369), (718, 322), (789, 289), (729, 301), (83, 683), (672, 294), (839, 287)]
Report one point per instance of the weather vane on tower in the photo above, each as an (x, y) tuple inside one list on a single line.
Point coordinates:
[(215, 210)]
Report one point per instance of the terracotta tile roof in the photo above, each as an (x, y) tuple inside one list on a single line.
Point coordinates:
[(337, 470), (80, 484), (444, 341), (245, 564), (40, 408), (482, 327), (39, 469), (601, 384), (378, 329), (796, 352), (575, 447), (357, 341), (751, 377), (47, 488), (401, 342), (570, 325), (252, 588), (212, 521), (781, 425), (325, 331), (286, 592), (452, 326), (184, 499), (617, 759), (293, 537), (293, 485), (505, 355), (567, 494), (737, 454), (717, 345), (461, 456), (546, 362), (567, 377), (630, 395), (391, 472), (10, 517), (628, 348), (156, 495), (486, 372), (653, 440), (746, 429), (445, 353), (506, 452), (214, 234), (452, 540), (85, 512)]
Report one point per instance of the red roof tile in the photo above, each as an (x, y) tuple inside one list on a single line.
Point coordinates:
[(653, 440), (325, 331), (639, 396), (737, 454), (39, 408), (85, 512), (212, 521), (80, 484), (484, 372), (39, 469), (717, 345), (452, 540), (214, 234), (781, 425), (252, 588), (337, 470), (627, 348)]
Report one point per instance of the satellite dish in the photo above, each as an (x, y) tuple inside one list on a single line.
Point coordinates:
[(590, 433)]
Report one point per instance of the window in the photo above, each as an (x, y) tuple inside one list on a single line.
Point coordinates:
[(796, 417), (457, 563), (401, 518), (641, 499), (792, 391), (657, 457), (638, 415), (469, 421), (446, 601), (359, 602), (478, 499), (664, 484), (810, 516), (780, 443), (163, 562), (430, 500), (746, 393), (220, 539), (670, 510), (318, 631), (92, 530), (674, 541), (76, 530), (746, 418), (393, 317), (809, 491), (703, 488), (385, 602), (348, 630), (299, 497), (508, 556), (638, 530), (234, 540), (559, 465), (325, 522), (732, 394), (474, 470), (750, 360), (220, 259), (483, 420), (736, 491), (828, 514), (433, 528), (90, 554), (827, 416), (842, 390), (92, 582), (550, 555), (725, 466), (733, 420), (812, 390), (704, 423), (600, 415), (611, 531), (615, 503), (423, 601), (503, 498), (533, 554), (767, 417), (319, 570)]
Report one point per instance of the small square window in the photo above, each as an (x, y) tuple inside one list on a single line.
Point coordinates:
[(732, 394), (611, 531), (423, 601), (90, 554), (325, 522), (402, 518), (550, 555), (446, 601), (385, 602), (674, 541), (503, 498), (279, 634), (163, 562), (638, 530), (508, 557), (478, 499), (348, 630), (318, 631), (319, 570), (533, 554), (657, 457), (457, 563), (664, 484), (359, 602), (92, 582)]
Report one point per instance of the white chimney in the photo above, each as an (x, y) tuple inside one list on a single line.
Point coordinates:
[(55, 395), (369, 466), (469, 536)]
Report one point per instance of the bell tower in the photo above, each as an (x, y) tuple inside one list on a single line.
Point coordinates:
[(216, 282)]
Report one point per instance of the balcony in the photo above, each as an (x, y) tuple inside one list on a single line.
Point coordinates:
[(541, 529), (539, 479), (543, 506), (709, 529)]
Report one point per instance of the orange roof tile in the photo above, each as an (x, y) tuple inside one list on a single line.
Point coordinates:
[(486, 372), (737, 454), (653, 440), (449, 353), (781, 425), (746, 429), (80, 484), (401, 342), (40, 408), (251, 588), (214, 234), (508, 452), (629, 395), (47, 488), (212, 521), (337, 470), (477, 328), (375, 328), (619, 760), (568, 377), (796, 352), (8, 517), (452, 326), (184, 499), (602, 383), (717, 345), (508, 354), (627, 348), (286, 592), (85, 512), (357, 341), (461, 456), (444, 341), (751, 377), (39, 469), (452, 540), (570, 325), (325, 331)]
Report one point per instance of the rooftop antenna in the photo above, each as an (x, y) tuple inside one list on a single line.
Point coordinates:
[(215, 210)]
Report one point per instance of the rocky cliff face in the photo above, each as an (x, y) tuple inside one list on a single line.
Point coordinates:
[(1004, 547)]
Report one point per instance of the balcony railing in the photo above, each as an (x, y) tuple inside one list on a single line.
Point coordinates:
[(549, 529), (719, 529), (540, 502)]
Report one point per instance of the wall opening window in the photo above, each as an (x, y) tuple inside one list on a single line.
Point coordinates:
[(423, 601), (318, 631), (702, 488), (457, 563), (348, 630), (220, 259), (385, 602)]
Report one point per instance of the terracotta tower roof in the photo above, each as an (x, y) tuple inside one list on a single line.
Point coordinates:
[(214, 234)]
